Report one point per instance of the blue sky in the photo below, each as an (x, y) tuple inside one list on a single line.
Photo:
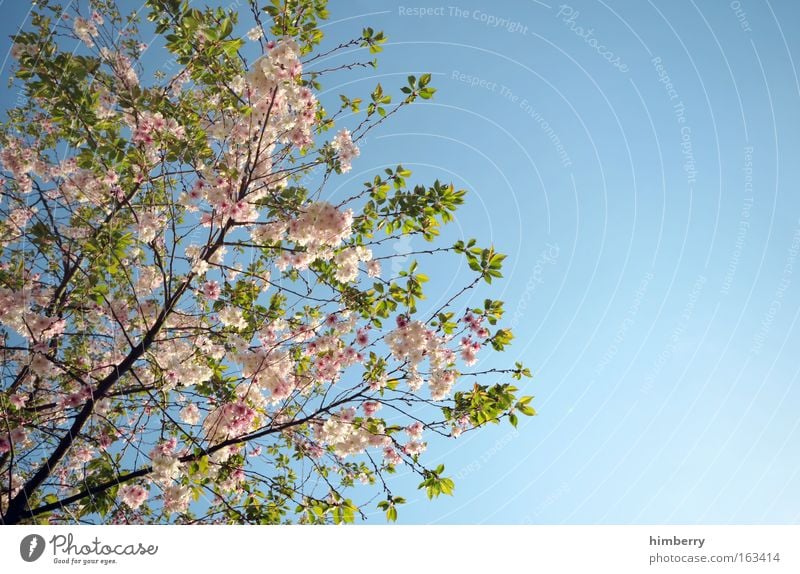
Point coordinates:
[(642, 178)]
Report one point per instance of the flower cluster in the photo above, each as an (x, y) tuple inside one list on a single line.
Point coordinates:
[(180, 364), (190, 414), (413, 342), (469, 347), (84, 186), (176, 498), (232, 317), (212, 290), (321, 225), (165, 467), (86, 30), (149, 129), (346, 262), (229, 420), (346, 149), (122, 68), (469, 350), (149, 224), (475, 324), (224, 200), (133, 495), (347, 437), (283, 110), (16, 312), (270, 371), (20, 160)]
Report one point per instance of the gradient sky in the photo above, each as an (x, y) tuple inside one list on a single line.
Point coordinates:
[(638, 162)]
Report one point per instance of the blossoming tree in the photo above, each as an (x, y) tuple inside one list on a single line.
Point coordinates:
[(192, 331)]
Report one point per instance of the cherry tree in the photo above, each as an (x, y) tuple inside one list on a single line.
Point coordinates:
[(192, 329)]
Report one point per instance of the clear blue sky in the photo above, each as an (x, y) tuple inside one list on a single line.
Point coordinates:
[(643, 179)]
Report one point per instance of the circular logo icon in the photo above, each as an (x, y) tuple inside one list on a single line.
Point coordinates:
[(31, 548)]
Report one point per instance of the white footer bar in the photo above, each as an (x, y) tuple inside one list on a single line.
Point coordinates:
[(390, 549)]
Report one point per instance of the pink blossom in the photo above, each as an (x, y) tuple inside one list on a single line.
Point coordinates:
[(371, 407), (212, 290), (18, 400), (85, 30), (469, 350), (176, 498), (414, 430), (133, 495), (374, 268), (321, 225), (229, 420), (391, 456), (165, 448), (343, 143), (82, 454), (414, 448), (361, 337), (190, 414), (347, 414)]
